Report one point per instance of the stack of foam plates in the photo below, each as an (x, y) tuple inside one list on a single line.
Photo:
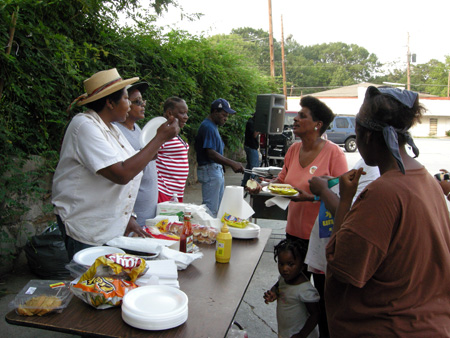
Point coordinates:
[(250, 231), (155, 307)]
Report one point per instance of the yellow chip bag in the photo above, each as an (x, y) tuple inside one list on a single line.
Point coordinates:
[(163, 225), (116, 265), (234, 221), (102, 292)]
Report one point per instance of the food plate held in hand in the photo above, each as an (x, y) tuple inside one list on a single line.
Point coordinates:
[(281, 189)]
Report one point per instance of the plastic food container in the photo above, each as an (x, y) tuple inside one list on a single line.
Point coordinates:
[(41, 297)]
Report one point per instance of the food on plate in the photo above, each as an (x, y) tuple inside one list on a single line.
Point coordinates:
[(233, 221), (252, 184), (282, 189), (102, 292), (39, 306)]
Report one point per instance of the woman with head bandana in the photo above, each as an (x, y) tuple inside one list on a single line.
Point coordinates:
[(389, 254)]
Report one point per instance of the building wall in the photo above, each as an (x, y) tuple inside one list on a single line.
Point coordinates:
[(437, 107)]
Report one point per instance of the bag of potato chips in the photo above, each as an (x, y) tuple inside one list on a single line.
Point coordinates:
[(116, 265), (102, 292), (233, 221)]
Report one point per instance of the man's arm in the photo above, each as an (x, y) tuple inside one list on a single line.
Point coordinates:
[(216, 157)]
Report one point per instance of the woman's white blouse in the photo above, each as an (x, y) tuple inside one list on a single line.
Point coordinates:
[(93, 208)]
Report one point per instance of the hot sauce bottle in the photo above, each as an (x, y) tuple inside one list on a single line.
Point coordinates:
[(187, 237)]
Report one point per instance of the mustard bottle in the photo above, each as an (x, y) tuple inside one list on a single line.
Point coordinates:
[(223, 245)]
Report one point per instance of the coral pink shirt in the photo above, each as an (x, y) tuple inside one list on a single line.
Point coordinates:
[(331, 161)]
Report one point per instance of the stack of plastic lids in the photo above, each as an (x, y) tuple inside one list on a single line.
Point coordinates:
[(250, 231), (155, 307)]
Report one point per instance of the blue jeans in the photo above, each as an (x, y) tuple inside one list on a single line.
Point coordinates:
[(252, 162), (213, 184), (72, 245)]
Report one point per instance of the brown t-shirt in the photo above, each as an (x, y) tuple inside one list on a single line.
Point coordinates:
[(389, 265)]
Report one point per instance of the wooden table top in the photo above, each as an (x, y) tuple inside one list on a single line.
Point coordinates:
[(215, 292)]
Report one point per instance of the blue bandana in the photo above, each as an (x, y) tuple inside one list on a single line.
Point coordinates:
[(390, 134), (390, 137), (405, 97)]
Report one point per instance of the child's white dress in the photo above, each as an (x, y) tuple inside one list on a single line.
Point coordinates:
[(291, 309)]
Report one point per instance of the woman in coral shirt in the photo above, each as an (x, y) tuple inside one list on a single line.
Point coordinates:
[(313, 156)]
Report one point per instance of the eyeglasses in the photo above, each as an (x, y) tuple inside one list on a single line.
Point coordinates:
[(139, 102)]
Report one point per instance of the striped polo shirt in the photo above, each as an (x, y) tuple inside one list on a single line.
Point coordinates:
[(172, 165)]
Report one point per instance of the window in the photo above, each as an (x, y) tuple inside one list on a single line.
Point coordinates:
[(341, 123)]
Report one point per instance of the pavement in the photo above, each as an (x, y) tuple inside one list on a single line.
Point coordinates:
[(257, 318)]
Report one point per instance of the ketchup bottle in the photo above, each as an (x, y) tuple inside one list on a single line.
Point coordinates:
[(187, 237)]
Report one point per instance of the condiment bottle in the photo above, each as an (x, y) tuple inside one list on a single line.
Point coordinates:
[(187, 237), (223, 245), (174, 198)]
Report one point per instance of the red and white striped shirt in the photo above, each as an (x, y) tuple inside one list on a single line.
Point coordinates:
[(172, 165)]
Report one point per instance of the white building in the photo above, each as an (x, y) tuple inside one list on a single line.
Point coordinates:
[(348, 100)]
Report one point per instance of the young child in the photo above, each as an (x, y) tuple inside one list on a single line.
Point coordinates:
[(298, 300)]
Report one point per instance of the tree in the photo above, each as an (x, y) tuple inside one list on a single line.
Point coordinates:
[(58, 44)]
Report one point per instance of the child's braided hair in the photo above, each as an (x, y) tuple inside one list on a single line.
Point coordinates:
[(297, 247)]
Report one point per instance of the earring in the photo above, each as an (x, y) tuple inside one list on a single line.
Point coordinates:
[(315, 128)]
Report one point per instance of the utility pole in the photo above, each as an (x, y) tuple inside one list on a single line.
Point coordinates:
[(408, 64), (283, 66), (448, 85), (272, 59)]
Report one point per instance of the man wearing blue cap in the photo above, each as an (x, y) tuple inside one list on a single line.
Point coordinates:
[(209, 147)]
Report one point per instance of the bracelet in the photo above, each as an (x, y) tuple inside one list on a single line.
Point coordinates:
[(133, 214)]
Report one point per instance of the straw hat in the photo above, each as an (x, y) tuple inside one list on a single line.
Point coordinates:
[(102, 84)]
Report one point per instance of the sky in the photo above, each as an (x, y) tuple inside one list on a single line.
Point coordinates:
[(380, 26)]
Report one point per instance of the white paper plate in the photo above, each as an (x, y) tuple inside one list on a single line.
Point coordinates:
[(266, 189), (250, 231), (149, 130), (145, 324), (88, 256), (155, 302)]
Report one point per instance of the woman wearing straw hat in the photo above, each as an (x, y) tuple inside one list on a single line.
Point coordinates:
[(98, 175)]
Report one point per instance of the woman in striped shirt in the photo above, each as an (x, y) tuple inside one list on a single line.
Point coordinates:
[(172, 163)]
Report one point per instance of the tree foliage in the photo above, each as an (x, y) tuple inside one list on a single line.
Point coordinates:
[(58, 44)]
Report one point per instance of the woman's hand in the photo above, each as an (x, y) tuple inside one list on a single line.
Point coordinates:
[(259, 187), (318, 184), (135, 228), (169, 129), (302, 196), (445, 186), (348, 183)]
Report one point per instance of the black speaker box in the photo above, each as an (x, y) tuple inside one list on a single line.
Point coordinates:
[(269, 113)]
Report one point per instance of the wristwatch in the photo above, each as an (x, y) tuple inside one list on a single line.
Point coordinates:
[(133, 214)]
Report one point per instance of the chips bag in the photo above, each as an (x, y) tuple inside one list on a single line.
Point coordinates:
[(233, 221), (102, 292), (116, 265)]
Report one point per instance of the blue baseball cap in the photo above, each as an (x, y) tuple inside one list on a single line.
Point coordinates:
[(222, 104)]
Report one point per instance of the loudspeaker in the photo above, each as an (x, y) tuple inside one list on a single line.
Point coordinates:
[(269, 113)]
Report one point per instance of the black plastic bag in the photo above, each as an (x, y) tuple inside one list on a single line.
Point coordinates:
[(46, 254)]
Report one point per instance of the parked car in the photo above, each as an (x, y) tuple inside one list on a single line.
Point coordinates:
[(342, 132)]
